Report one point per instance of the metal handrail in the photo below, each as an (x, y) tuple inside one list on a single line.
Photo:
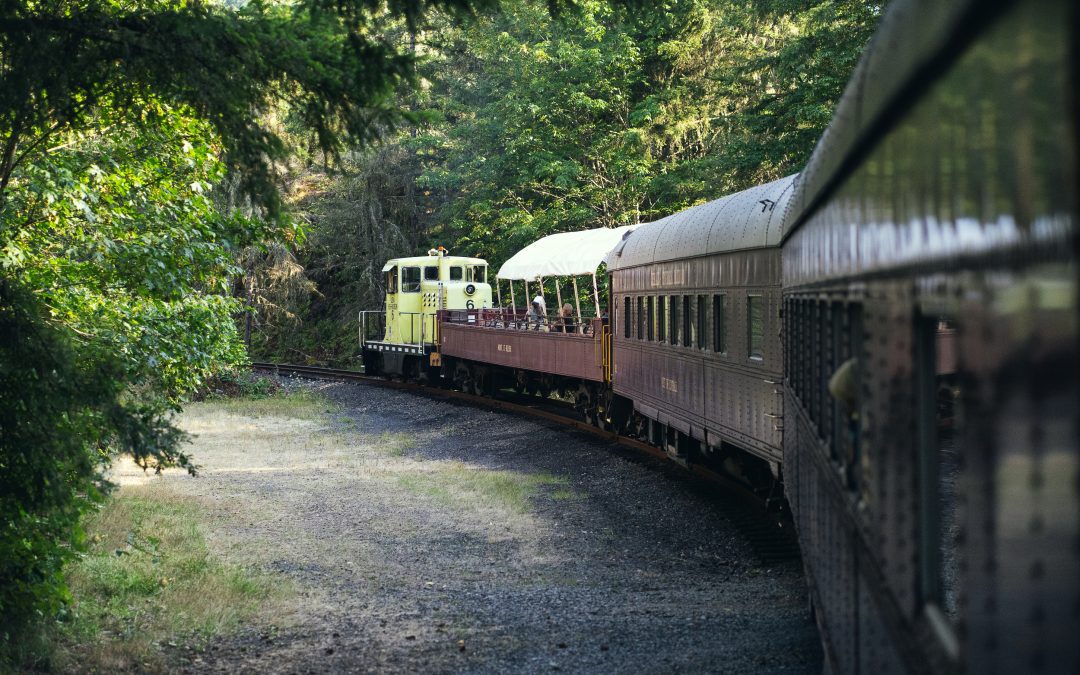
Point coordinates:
[(490, 317), (419, 344), (363, 323), (506, 318)]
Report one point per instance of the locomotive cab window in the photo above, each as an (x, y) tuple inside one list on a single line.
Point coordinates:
[(938, 415), (431, 274), (391, 280), (456, 273), (755, 327), (410, 279), (478, 274)]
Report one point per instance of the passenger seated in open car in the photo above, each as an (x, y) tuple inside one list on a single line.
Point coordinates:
[(536, 319), (565, 323)]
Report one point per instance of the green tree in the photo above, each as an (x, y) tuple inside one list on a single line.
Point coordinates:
[(787, 81), (610, 116), (115, 266), (117, 123), (532, 125)]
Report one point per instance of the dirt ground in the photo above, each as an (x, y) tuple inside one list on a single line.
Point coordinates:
[(421, 535)]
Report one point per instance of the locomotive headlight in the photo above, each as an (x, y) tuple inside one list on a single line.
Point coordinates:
[(470, 289)]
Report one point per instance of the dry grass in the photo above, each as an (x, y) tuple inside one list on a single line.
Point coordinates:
[(460, 485), (298, 405), (177, 560), (148, 581)]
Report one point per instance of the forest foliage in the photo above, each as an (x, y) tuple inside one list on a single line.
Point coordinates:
[(531, 125), (139, 159), (146, 147)]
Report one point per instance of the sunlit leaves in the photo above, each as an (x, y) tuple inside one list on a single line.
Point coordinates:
[(129, 249)]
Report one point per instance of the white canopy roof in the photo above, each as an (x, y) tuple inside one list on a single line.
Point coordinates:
[(564, 255)]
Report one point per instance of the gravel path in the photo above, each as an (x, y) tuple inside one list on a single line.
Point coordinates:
[(421, 535)]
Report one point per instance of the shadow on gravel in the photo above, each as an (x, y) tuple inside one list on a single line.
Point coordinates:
[(489, 544)]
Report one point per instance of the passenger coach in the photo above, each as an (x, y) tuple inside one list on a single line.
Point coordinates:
[(696, 297), (935, 489)]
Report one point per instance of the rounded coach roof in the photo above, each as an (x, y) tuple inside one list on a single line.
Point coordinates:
[(749, 219)]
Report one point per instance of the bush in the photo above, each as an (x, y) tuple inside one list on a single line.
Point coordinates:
[(65, 411), (48, 470), (238, 384)]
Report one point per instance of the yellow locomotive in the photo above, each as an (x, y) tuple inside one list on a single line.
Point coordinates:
[(417, 288)]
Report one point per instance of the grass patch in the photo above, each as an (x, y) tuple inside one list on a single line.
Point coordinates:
[(148, 582), (302, 404), (456, 483), (395, 444), (247, 393)]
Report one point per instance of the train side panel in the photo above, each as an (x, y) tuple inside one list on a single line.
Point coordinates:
[(931, 331), (568, 355), (717, 378)]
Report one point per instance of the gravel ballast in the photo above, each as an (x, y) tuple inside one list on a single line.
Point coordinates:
[(424, 535)]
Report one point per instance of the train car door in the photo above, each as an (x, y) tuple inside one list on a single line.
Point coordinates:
[(391, 272), (409, 305)]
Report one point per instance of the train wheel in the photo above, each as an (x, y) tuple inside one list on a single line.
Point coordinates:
[(544, 386), (583, 399), (479, 380), (410, 369), (603, 411), (602, 421), (462, 378), (372, 362)]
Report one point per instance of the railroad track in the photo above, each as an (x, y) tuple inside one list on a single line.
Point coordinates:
[(772, 536)]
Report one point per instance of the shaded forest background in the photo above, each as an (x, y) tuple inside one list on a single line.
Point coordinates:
[(181, 180), (526, 125)]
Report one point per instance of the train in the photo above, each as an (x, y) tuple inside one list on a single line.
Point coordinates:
[(885, 345)]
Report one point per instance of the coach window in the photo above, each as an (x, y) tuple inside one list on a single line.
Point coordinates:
[(431, 274), (790, 337), (854, 412), (640, 318), (938, 415), (686, 322), (791, 347), (807, 357), (816, 386), (675, 301), (661, 318), (651, 319), (755, 327), (456, 273), (410, 279), (829, 363), (700, 339), (391, 280), (719, 324), (627, 319)]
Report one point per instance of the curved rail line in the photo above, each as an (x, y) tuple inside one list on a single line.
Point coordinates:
[(772, 536)]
